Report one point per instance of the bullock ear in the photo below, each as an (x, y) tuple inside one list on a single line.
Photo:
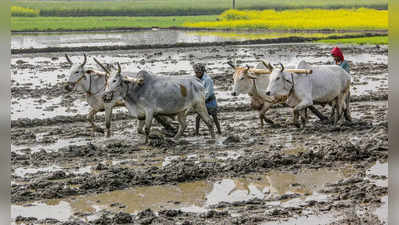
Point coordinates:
[(89, 71), (231, 64)]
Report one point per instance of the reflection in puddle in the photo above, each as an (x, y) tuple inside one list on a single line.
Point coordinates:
[(61, 210), (379, 169), (199, 195), (382, 211)]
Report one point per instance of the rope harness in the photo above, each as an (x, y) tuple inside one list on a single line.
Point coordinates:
[(88, 92)]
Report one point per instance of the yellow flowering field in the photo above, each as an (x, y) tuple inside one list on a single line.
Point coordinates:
[(269, 35), (24, 12), (305, 19)]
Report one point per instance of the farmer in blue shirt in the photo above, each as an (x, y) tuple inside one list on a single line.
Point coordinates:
[(210, 99), (336, 53)]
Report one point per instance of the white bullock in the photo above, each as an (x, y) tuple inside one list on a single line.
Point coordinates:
[(326, 84)]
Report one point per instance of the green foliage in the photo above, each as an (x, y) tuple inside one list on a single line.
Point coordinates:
[(97, 23)]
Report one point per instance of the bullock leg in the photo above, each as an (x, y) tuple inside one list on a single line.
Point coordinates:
[(296, 117), (215, 119), (341, 102), (347, 111), (141, 123), (201, 110), (162, 120), (108, 114), (148, 122), (261, 120), (181, 118), (304, 117), (90, 118), (317, 113), (338, 109), (333, 108), (197, 124), (262, 115), (298, 110)]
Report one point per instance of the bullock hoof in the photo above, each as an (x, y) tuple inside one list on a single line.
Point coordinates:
[(269, 121), (275, 125), (140, 132), (100, 130), (298, 125)]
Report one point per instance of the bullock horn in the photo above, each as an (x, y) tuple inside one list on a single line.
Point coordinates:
[(231, 64), (101, 65), (282, 67), (267, 65), (84, 60), (68, 59), (247, 68)]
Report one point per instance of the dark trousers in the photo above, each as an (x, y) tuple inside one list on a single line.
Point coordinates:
[(213, 112)]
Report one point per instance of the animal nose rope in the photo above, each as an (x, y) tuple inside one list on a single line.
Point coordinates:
[(293, 84), (88, 92)]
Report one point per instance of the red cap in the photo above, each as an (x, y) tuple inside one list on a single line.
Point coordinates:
[(337, 52)]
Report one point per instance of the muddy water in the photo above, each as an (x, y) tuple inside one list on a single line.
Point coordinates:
[(112, 38), (193, 196)]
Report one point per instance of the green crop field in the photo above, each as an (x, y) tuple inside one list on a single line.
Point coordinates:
[(97, 23), (179, 7)]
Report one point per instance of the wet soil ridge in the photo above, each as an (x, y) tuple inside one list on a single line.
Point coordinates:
[(185, 45), (116, 177)]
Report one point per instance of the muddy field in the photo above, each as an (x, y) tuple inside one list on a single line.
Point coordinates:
[(321, 174)]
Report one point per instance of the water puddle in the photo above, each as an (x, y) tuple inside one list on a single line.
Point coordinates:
[(308, 220), (112, 38), (21, 172), (379, 169), (382, 211), (60, 210), (46, 108), (52, 147), (196, 196), (144, 37)]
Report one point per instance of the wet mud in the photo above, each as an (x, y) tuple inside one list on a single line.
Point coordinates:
[(279, 174)]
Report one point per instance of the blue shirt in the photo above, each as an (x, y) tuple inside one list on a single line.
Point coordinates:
[(345, 65), (209, 91)]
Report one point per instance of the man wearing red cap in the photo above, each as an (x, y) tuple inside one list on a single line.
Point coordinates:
[(339, 58)]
